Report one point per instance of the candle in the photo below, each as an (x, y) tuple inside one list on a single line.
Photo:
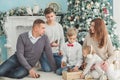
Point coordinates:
[(29, 11), (35, 9)]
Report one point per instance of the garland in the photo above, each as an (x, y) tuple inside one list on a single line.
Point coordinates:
[(22, 11)]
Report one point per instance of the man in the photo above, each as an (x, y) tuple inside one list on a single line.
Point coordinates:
[(29, 48), (54, 31)]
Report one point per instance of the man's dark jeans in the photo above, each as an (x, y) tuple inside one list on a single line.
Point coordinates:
[(12, 68), (45, 64)]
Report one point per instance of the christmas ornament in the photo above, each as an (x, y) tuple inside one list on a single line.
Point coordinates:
[(96, 11), (77, 1), (69, 18), (97, 4), (105, 10), (89, 6)]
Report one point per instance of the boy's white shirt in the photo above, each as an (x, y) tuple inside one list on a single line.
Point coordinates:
[(73, 55), (55, 32), (90, 62)]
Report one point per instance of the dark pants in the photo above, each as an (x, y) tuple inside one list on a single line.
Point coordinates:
[(12, 68), (60, 70)]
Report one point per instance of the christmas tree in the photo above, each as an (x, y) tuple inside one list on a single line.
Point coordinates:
[(81, 12)]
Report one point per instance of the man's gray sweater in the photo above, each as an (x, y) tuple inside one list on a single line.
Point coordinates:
[(28, 53)]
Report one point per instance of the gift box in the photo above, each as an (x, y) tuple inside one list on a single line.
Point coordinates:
[(71, 75)]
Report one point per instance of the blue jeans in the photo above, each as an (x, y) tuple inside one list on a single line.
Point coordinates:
[(12, 68), (45, 64), (60, 70)]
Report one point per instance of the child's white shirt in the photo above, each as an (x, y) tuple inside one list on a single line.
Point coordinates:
[(73, 55), (90, 62)]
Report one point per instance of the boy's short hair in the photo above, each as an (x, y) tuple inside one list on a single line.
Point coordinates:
[(71, 32), (38, 21), (48, 10)]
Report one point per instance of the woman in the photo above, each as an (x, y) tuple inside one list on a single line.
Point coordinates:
[(99, 39)]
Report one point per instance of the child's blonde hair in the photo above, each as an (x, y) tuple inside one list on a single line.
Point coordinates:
[(88, 49), (71, 32)]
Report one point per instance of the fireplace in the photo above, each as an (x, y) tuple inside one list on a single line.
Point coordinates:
[(15, 25)]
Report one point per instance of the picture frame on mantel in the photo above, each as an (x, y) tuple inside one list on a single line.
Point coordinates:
[(55, 6)]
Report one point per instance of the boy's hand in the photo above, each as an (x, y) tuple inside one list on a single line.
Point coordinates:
[(63, 64), (33, 73), (56, 41), (60, 53), (54, 44), (75, 69), (83, 65)]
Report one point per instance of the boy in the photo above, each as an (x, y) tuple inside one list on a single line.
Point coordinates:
[(54, 31), (72, 53)]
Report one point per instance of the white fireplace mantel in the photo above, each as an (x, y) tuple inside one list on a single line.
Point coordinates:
[(14, 25)]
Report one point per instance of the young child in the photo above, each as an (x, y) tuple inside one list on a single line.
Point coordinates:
[(72, 53), (92, 60)]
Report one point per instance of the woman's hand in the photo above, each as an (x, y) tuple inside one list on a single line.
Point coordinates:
[(33, 73), (104, 65)]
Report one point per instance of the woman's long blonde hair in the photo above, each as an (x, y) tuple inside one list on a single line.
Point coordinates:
[(101, 33)]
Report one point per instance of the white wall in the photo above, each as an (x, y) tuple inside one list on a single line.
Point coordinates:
[(116, 14), (6, 5)]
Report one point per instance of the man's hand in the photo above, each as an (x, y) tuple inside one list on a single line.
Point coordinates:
[(33, 73), (60, 53)]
